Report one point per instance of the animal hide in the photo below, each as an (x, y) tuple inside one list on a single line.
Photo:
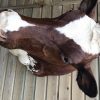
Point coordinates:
[(55, 46)]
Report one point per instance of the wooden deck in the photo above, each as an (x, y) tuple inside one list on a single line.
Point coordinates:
[(16, 83)]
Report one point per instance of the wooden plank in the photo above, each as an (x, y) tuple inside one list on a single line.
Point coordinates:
[(39, 1), (52, 88), (9, 78), (40, 92), (19, 82), (46, 12), (56, 1), (57, 10), (3, 66), (11, 2), (76, 92), (37, 11), (99, 12), (67, 8), (28, 2), (29, 90), (76, 6), (65, 87), (47, 1), (0, 2), (28, 12), (4, 3), (20, 2)]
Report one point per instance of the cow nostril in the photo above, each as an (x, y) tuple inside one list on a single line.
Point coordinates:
[(66, 60), (30, 67)]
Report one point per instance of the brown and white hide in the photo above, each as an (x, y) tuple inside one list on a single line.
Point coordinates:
[(55, 46)]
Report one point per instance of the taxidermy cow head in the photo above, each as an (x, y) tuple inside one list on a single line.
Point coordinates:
[(55, 46)]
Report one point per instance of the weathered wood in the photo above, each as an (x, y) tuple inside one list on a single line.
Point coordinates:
[(9, 79), (99, 12), (52, 88), (3, 66), (40, 92), (19, 83), (12, 3), (29, 90), (4, 3), (76, 92), (67, 8), (46, 12), (65, 87), (20, 2)]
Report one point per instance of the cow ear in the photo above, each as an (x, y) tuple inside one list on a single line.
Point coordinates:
[(87, 82), (88, 7), (93, 14)]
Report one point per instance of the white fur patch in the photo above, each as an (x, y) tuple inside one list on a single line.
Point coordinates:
[(11, 21), (23, 57), (85, 32)]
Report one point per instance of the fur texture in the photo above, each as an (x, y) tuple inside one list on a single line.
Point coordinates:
[(55, 46)]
